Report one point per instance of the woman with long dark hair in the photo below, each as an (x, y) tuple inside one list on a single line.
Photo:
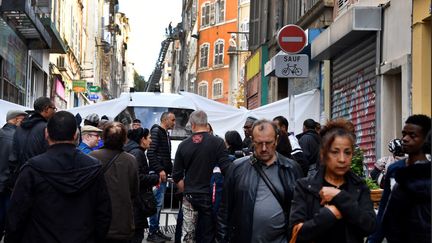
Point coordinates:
[(334, 205)]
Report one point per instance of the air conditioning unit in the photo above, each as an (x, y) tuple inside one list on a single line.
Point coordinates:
[(61, 63)]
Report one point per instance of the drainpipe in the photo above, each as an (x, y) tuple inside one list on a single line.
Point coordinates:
[(378, 61)]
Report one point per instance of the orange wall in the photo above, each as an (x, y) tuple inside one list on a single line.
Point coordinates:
[(210, 35)]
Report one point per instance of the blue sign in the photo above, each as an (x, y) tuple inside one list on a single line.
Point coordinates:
[(93, 97)]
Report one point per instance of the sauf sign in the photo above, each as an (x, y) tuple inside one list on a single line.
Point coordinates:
[(292, 39), (292, 66)]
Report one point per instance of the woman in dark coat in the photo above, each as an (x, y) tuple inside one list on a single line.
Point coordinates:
[(138, 142), (334, 205), (233, 142)]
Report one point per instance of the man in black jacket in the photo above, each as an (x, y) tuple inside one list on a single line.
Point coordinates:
[(310, 143), (193, 167), (60, 195), (29, 138), (250, 212), (13, 119), (159, 155)]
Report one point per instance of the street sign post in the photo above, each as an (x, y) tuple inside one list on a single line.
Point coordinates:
[(292, 66), (291, 39)]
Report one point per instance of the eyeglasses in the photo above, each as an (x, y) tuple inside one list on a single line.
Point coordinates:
[(247, 127), (53, 107), (92, 134), (262, 144)]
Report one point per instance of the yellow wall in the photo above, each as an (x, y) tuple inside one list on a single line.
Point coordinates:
[(253, 66), (421, 58)]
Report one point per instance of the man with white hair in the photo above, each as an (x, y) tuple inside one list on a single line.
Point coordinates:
[(193, 167)]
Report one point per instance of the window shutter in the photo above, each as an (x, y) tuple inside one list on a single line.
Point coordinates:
[(212, 14), (203, 15)]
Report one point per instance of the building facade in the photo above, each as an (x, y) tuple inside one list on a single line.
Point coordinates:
[(369, 59), (217, 19), (63, 50)]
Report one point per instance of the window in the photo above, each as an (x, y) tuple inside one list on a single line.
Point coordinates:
[(217, 88), (202, 88), (204, 50), (213, 13), (205, 15), (220, 11), (244, 27), (219, 52)]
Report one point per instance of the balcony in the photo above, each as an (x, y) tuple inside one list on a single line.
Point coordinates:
[(21, 16)]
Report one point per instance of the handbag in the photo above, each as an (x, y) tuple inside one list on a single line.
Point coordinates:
[(147, 203), (295, 231)]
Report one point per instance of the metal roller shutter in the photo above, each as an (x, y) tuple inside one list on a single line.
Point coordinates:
[(353, 87)]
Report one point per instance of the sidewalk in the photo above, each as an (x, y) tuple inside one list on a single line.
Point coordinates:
[(168, 229)]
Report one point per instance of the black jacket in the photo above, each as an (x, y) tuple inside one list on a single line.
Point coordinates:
[(6, 148), (60, 196), (235, 218), (354, 204), (29, 139), (146, 181), (159, 153), (407, 217), (195, 159), (310, 143)]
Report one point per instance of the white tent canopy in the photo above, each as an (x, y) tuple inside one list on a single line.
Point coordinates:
[(222, 117), (6, 106)]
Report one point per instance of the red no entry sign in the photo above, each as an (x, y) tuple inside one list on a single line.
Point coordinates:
[(291, 39)]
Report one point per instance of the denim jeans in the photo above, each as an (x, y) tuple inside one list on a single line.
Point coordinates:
[(159, 194), (198, 219)]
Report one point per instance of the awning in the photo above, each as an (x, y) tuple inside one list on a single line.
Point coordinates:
[(355, 23), (57, 43)]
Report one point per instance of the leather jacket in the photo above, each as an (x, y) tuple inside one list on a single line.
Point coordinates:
[(240, 190), (354, 203)]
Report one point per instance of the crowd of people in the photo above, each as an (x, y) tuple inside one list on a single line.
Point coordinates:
[(63, 182)]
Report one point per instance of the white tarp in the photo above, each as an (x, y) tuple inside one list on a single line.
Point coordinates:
[(222, 117), (6, 106), (110, 108)]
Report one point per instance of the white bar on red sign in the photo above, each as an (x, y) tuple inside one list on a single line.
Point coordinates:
[(292, 39)]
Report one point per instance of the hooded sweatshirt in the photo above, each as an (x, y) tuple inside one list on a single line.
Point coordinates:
[(60, 196), (29, 139)]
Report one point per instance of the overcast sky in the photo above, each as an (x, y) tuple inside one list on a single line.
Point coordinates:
[(148, 20)]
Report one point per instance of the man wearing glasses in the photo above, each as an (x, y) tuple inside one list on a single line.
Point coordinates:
[(90, 137), (257, 192), (29, 138)]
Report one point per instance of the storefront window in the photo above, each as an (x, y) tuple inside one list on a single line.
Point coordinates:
[(13, 53)]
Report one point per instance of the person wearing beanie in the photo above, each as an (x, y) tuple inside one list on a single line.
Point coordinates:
[(13, 119), (92, 120)]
